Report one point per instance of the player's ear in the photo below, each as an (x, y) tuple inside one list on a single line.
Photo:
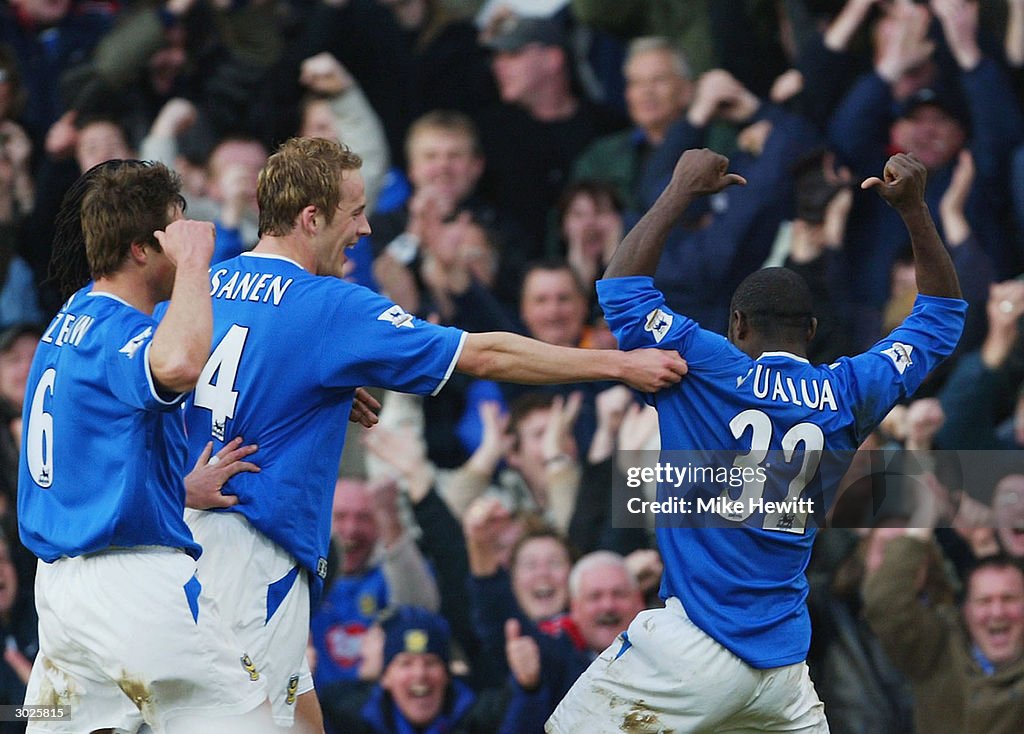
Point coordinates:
[(309, 219), (812, 329), (137, 252), (739, 327)]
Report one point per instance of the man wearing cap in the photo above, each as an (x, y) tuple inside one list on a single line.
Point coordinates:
[(415, 692), (531, 140), (892, 109)]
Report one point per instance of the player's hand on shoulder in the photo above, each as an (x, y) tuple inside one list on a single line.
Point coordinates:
[(902, 183), (650, 370), (187, 241), (702, 171)]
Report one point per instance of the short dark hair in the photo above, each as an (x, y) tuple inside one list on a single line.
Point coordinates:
[(537, 532), (601, 192), (10, 335), (124, 205), (553, 265), (69, 266), (775, 301), (997, 562), (11, 73), (522, 407)]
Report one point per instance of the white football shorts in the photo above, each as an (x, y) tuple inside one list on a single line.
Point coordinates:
[(129, 636), (666, 675), (263, 596)]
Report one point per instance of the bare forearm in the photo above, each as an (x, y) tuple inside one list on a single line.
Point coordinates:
[(996, 348), (24, 192), (955, 225), (1015, 34), (513, 358), (934, 270), (845, 25), (563, 487), (181, 344), (464, 486), (409, 578), (482, 563)]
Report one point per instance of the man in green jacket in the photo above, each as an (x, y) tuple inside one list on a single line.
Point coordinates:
[(966, 668)]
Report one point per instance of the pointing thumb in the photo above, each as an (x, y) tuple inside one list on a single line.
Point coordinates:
[(512, 631)]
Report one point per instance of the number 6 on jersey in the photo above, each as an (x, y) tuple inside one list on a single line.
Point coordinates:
[(39, 450)]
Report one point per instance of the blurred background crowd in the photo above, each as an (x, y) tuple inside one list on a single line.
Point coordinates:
[(507, 147)]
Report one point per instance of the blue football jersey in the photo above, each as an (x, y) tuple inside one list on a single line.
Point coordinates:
[(289, 350), (337, 626), (94, 472), (745, 585)]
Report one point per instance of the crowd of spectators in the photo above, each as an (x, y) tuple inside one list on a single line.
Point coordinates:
[(477, 565)]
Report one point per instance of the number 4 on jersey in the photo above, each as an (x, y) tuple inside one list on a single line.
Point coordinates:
[(215, 390)]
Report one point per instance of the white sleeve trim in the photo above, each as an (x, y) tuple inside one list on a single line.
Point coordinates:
[(152, 384), (451, 365)]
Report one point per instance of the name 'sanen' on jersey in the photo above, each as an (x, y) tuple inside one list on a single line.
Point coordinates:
[(255, 287), (772, 384)]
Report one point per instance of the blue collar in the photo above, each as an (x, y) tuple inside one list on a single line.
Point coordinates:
[(986, 665)]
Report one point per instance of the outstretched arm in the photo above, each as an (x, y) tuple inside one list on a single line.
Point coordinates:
[(698, 173), (902, 188), (509, 357)]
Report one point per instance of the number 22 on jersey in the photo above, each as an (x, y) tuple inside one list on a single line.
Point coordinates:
[(760, 425)]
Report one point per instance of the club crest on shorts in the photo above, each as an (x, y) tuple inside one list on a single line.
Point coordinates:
[(293, 688), (249, 667)]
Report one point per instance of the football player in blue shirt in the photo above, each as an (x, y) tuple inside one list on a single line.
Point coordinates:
[(290, 348), (125, 634), (727, 652)]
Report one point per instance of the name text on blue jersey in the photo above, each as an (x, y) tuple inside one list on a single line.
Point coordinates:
[(772, 384), (69, 329), (255, 287)]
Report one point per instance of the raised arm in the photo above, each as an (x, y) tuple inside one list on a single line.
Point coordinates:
[(509, 357), (902, 188), (698, 173), (181, 344), (1014, 40)]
